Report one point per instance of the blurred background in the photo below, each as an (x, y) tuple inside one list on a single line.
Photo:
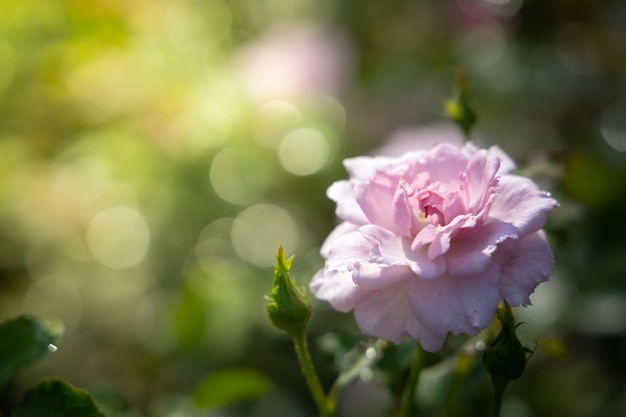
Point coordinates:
[(153, 153)]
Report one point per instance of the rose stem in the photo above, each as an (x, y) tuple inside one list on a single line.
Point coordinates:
[(304, 357), (498, 392)]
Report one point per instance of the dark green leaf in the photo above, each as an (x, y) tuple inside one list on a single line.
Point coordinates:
[(230, 386), (24, 340), (56, 398)]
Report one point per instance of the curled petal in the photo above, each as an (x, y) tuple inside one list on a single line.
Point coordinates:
[(506, 163), (342, 192), (336, 287), (376, 200), (334, 283), (522, 204), (362, 168), (390, 249), (474, 254), (439, 246), (344, 243), (481, 180)]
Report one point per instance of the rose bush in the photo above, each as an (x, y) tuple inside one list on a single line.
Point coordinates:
[(432, 241)]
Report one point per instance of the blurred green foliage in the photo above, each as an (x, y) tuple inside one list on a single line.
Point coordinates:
[(24, 341), (55, 397), (154, 153)]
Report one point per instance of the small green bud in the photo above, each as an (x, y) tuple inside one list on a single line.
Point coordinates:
[(505, 358), (287, 305), (458, 106)]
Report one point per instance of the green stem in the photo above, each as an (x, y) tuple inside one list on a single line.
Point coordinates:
[(354, 371), (304, 357), (498, 392), (408, 398), (453, 389)]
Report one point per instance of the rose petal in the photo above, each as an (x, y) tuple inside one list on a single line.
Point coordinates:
[(376, 200), (342, 192), (521, 203), (429, 341), (524, 267), (387, 314), (337, 287), (443, 163), (439, 245), (374, 276), (403, 221), (345, 236), (474, 254), (391, 249), (456, 304), (425, 236), (363, 168), (506, 163), (481, 179), (344, 245)]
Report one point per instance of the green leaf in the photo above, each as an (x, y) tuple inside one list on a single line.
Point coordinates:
[(24, 340), (230, 386), (57, 398)]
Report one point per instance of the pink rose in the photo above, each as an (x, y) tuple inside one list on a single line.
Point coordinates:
[(432, 241)]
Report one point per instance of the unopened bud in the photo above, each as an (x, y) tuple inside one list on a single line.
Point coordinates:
[(505, 358), (458, 106), (287, 304)]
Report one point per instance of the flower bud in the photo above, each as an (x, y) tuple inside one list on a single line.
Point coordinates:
[(458, 106), (505, 357), (287, 305)]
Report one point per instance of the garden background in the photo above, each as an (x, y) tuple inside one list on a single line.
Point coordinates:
[(154, 153)]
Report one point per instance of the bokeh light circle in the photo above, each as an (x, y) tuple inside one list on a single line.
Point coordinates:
[(196, 24), (483, 47), (577, 48), (273, 120), (118, 237), (613, 125), (259, 229), (303, 151), (237, 176), (54, 297), (214, 250)]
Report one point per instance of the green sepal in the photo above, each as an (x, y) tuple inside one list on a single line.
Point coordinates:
[(287, 304)]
